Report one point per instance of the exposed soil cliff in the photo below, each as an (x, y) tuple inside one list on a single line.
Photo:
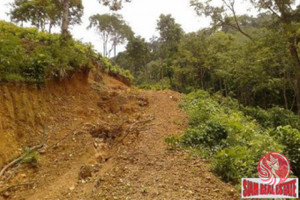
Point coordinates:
[(104, 140)]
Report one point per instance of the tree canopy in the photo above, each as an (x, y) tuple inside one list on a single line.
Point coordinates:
[(113, 29), (114, 4), (42, 13)]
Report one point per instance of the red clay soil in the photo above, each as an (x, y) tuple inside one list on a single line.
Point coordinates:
[(106, 141)]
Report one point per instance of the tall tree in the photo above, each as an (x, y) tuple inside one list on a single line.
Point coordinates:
[(170, 35), (113, 4), (289, 18), (221, 15), (38, 12), (285, 14), (113, 29), (42, 13), (138, 54), (65, 19), (71, 13)]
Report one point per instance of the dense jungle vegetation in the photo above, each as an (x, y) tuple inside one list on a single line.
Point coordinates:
[(27, 55), (235, 137), (249, 67), (34, 55), (253, 59)]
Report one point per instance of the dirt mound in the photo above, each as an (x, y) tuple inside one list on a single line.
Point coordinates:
[(104, 140)]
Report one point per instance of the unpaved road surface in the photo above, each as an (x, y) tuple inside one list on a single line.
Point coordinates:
[(119, 153)]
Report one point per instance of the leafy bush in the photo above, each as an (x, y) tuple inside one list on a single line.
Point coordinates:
[(110, 68), (211, 135), (31, 56), (31, 157), (290, 138), (234, 162), (273, 117), (219, 129), (238, 161), (163, 84)]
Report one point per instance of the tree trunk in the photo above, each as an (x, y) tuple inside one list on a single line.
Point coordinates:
[(225, 87), (297, 91), (292, 41), (295, 56), (286, 104), (65, 19), (50, 27), (115, 50), (104, 40), (104, 49)]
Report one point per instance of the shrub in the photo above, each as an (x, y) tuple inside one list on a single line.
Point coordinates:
[(28, 55), (211, 135), (290, 138), (31, 157), (163, 84), (260, 115), (232, 163), (273, 117), (31, 56), (110, 68), (219, 129), (283, 117), (238, 161)]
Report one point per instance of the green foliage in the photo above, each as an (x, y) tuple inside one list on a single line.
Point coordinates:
[(233, 163), (290, 138), (235, 137), (113, 4), (210, 135), (137, 54), (172, 140), (257, 72), (112, 28), (31, 157), (237, 161), (163, 84), (170, 35), (30, 56), (114, 69), (218, 129), (42, 13), (273, 117)]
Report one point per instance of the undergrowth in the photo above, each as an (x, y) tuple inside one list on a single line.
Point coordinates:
[(27, 55), (110, 68), (236, 137)]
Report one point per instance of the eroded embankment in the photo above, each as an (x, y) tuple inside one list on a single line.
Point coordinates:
[(104, 140), (26, 109), (83, 119)]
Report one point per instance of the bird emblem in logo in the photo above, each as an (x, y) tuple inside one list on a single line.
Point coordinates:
[(273, 168)]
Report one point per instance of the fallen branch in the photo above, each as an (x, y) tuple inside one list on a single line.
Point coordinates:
[(12, 173), (74, 132), (131, 127), (60, 140), (15, 186), (19, 159)]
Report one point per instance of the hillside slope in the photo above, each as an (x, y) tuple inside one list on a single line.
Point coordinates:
[(104, 141)]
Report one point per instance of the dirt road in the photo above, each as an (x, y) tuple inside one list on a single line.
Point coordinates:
[(119, 153)]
